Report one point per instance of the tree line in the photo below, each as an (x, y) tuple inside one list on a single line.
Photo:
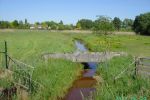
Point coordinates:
[(103, 24), (14, 24), (37, 25)]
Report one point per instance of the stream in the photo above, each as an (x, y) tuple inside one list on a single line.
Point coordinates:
[(84, 86)]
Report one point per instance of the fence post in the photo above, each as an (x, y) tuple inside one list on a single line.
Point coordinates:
[(136, 65), (6, 60), (30, 88)]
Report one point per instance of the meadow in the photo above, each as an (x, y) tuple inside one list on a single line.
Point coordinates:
[(28, 46), (135, 45), (57, 75)]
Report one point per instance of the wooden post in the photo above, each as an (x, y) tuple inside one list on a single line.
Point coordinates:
[(6, 60), (30, 88), (136, 61)]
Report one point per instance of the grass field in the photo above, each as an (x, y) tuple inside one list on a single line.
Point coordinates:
[(132, 44), (28, 46), (57, 75)]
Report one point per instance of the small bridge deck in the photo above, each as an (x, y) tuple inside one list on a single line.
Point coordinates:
[(84, 56)]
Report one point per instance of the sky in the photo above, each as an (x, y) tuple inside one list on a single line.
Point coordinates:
[(70, 11)]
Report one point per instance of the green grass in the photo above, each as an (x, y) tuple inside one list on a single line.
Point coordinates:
[(132, 44), (5, 83), (29, 46), (57, 75), (124, 88)]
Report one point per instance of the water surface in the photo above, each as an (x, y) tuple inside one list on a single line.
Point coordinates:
[(84, 86)]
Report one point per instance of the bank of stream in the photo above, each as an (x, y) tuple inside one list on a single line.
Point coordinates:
[(84, 86)]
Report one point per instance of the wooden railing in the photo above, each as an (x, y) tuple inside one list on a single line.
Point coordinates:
[(143, 67)]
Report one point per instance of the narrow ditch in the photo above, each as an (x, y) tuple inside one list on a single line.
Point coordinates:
[(84, 86)]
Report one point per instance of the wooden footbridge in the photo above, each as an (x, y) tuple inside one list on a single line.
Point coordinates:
[(84, 56)]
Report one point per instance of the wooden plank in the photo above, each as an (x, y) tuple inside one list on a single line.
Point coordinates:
[(144, 68), (144, 61), (21, 85), (147, 58), (144, 73)]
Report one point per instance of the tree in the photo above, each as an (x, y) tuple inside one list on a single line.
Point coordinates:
[(61, 25), (4, 24), (61, 22), (15, 24), (84, 24), (21, 25), (52, 25), (127, 24), (78, 25), (142, 24), (68, 27), (103, 25), (117, 23), (26, 22), (27, 25), (44, 25)]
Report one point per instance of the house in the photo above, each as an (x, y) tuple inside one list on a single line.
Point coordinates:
[(32, 26)]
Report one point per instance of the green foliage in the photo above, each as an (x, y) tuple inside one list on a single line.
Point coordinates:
[(44, 25), (103, 25), (21, 26), (127, 24), (26, 22), (84, 24), (4, 24), (61, 22), (78, 25), (61, 27), (69, 27), (117, 23), (15, 24), (142, 24)]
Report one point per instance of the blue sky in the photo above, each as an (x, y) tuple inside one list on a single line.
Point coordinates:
[(70, 11)]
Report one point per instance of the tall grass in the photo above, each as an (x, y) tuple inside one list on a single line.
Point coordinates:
[(56, 75), (124, 88)]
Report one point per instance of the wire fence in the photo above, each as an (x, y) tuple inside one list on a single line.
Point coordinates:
[(130, 69), (21, 72)]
